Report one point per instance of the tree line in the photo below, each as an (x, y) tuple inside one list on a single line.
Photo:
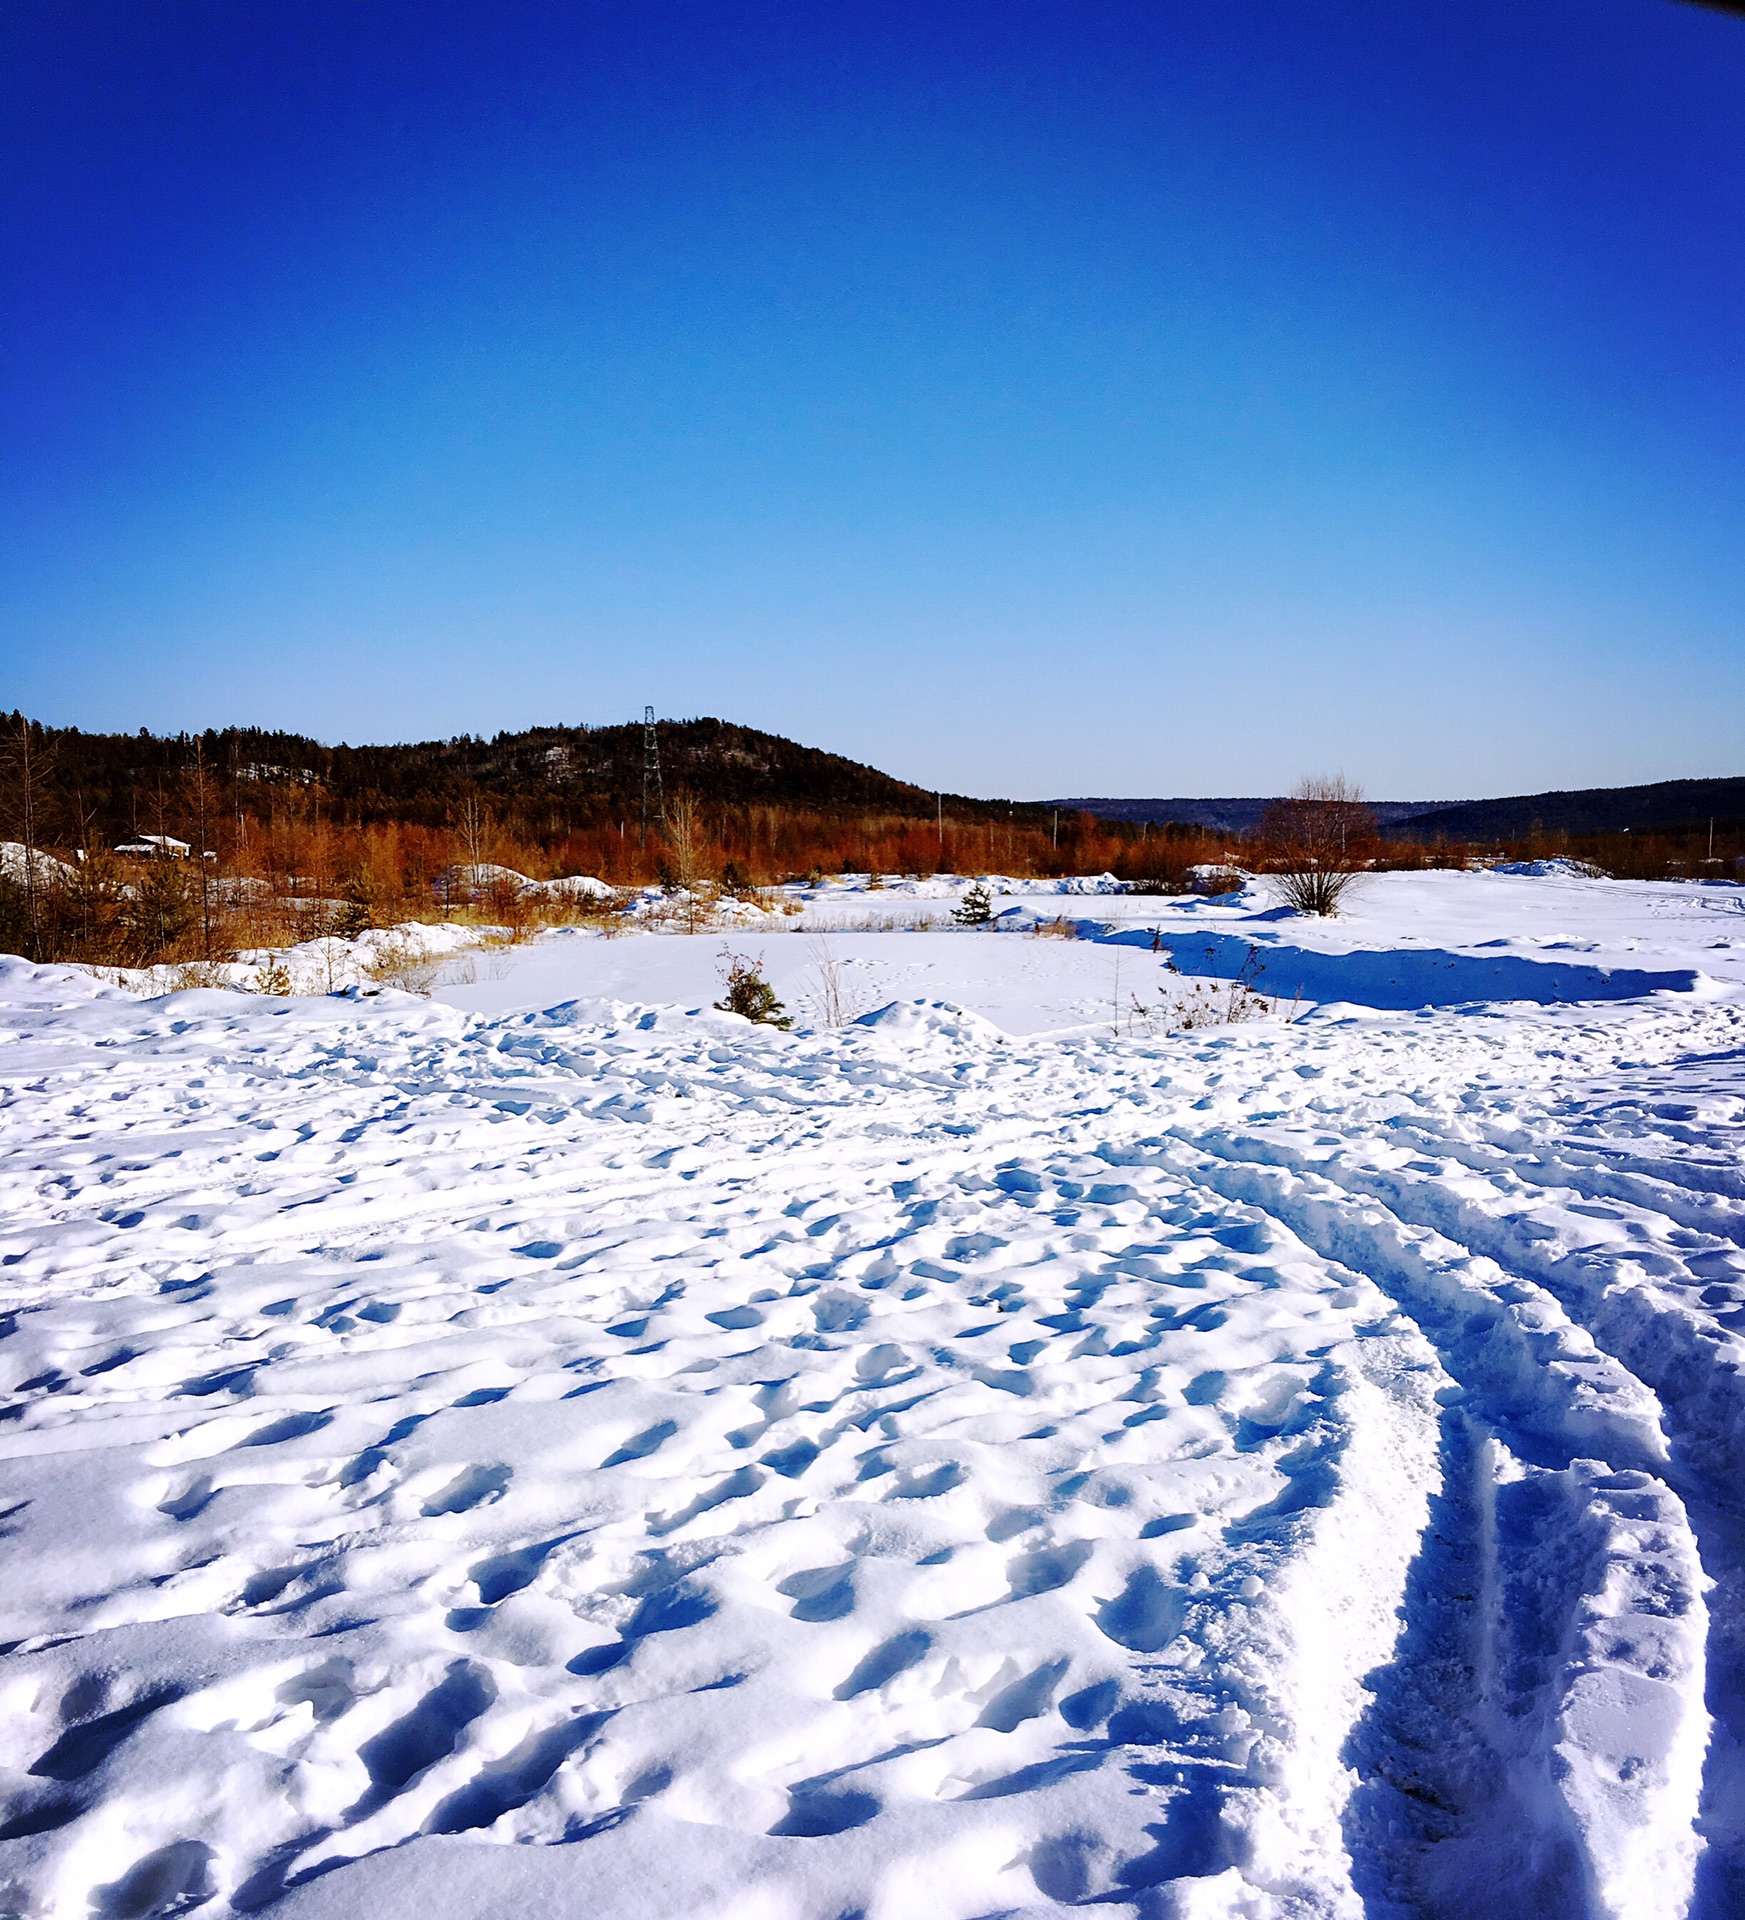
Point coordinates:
[(288, 840)]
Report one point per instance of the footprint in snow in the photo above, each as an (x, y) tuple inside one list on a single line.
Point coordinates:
[(1025, 1699), (1146, 1615), (172, 1880), (473, 1488), (639, 1446), (885, 1662), (820, 1594), (819, 1815), (431, 1731), (1047, 1569)]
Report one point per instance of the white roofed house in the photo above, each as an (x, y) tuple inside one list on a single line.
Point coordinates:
[(156, 846)]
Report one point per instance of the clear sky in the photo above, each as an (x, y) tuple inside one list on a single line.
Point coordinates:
[(1150, 396)]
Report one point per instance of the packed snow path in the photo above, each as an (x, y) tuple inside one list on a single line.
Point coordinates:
[(901, 1472)]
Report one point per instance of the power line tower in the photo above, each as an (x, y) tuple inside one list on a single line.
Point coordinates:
[(651, 787)]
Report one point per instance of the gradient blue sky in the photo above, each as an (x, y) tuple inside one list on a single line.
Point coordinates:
[(1148, 396)]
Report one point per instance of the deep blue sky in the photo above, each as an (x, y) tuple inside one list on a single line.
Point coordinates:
[(1151, 396)]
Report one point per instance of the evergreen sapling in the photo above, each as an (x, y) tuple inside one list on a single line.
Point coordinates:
[(749, 994), (976, 908)]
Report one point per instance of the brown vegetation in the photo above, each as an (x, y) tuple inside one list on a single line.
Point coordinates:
[(371, 838)]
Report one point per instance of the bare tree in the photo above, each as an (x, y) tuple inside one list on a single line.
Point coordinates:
[(202, 798), (694, 903), (27, 764), (684, 842), (478, 835), (1318, 842)]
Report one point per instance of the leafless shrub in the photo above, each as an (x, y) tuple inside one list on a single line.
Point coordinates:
[(1318, 843), (1059, 928), (330, 956), (398, 963), (691, 896), (25, 764), (189, 975), (512, 908), (918, 922), (833, 998), (477, 832), (684, 912), (1187, 1006)]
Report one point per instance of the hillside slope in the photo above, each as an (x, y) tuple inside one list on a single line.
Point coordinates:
[(595, 772)]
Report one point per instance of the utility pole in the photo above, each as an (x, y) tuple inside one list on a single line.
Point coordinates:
[(939, 803), (651, 775)]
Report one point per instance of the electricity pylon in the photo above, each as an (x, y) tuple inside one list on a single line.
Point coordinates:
[(651, 786)]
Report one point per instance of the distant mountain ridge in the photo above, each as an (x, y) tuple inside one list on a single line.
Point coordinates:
[(1663, 806), (1236, 815)]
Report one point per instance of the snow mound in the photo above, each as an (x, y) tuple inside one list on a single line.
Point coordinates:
[(482, 875), (1550, 869), (486, 875), (921, 1020), (948, 886), (17, 862)]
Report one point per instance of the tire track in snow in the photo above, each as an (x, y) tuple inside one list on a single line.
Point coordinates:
[(1538, 1378)]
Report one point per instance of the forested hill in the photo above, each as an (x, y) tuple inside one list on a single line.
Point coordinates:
[(590, 773), (1667, 806), (1228, 816)]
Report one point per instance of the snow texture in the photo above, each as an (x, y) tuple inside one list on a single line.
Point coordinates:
[(20, 864), (572, 1452)]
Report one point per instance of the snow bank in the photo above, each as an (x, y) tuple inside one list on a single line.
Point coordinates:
[(18, 863), (1549, 869), (486, 875), (912, 1021)]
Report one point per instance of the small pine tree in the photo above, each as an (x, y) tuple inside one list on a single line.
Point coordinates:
[(163, 908), (976, 908), (749, 994)]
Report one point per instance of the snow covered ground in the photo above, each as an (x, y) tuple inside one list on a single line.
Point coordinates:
[(556, 1450)]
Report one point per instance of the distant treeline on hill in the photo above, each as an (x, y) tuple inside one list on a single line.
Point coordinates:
[(125, 848), (1235, 815), (547, 801), (581, 775), (1668, 806)]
